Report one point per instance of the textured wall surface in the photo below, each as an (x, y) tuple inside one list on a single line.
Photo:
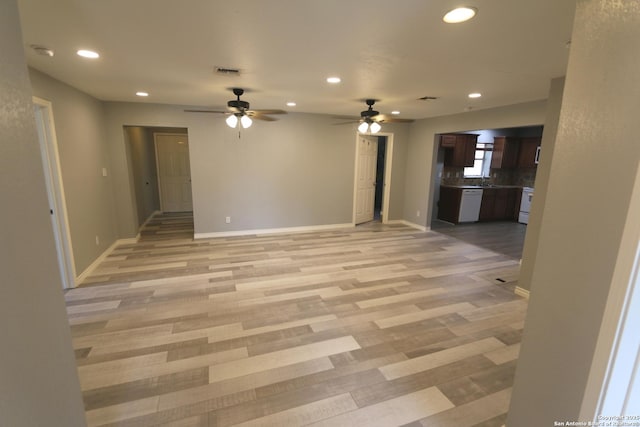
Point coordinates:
[(530, 248), (38, 378), (583, 225)]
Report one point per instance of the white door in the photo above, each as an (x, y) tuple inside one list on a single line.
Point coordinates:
[(55, 190), (174, 172), (367, 157)]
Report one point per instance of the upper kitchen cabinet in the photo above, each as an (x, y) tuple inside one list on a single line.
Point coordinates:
[(505, 152), (459, 148), (529, 152)]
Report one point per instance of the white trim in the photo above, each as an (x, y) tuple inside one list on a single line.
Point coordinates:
[(521, 292), (302, 229), (388, 163), (87, 272), (146, 221), (55, 188), (409, 224)]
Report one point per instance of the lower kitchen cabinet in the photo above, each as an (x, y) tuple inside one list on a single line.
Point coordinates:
[(449, 204), (499, 204)]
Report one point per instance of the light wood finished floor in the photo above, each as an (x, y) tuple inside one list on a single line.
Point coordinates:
[(372, 326)]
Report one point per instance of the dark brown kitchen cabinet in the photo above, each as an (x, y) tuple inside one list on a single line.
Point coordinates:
[(528, 152), (505, 152), (448, 141), (449, 204), (498, 204), (460, 149), (487, 205)]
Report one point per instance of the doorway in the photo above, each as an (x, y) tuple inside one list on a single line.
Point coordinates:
[(55, 191), (143, 168), (372, 180)]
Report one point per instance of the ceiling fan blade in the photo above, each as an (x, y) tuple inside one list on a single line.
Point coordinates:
[(267, 111), (258, 116), (205, 111), (355, 118), (346, 123), (381, 118)]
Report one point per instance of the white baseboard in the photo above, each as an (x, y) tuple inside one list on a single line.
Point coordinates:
[(303, 229), (409, 224), (87, 272), (521, 292)]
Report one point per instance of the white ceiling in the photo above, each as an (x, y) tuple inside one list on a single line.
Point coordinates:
[(394, 51)]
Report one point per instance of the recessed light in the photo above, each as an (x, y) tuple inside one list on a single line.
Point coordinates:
[(88, 54), (395, 113), (142, 93), (291, 104), (333, 80), (460, 14), (475, 95)]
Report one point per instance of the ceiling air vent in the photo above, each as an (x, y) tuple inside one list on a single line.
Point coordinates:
[(226, 71), (427, 98)]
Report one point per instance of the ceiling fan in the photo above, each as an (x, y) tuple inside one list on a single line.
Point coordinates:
[(238, 112), (370, 119)]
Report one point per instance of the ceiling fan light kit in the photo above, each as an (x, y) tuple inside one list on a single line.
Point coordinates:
[(370, 119), (238, 112), (245, 121), (232, 121), (372, 127), (364, 127)]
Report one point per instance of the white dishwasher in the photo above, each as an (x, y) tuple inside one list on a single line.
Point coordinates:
[(470, 205)]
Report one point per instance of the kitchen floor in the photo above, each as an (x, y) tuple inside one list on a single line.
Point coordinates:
[(504, 237), (378, 325)]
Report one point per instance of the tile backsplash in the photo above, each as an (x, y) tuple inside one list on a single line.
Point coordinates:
[(521, 177)]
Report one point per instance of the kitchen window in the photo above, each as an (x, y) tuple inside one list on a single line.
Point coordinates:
[(482, 161)]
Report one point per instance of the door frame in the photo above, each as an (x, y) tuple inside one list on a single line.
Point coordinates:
[(388, 163), (155, 147), (55, 190)]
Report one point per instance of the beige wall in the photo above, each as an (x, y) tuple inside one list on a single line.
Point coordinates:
[(586, 214), (298, 171), (530, 248), (142, 162), (422, 148), (83, 150), (38, 379)]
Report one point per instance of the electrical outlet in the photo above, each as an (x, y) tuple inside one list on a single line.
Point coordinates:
[(104, 172), (97, 240), (417, 213), (228, 220)]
